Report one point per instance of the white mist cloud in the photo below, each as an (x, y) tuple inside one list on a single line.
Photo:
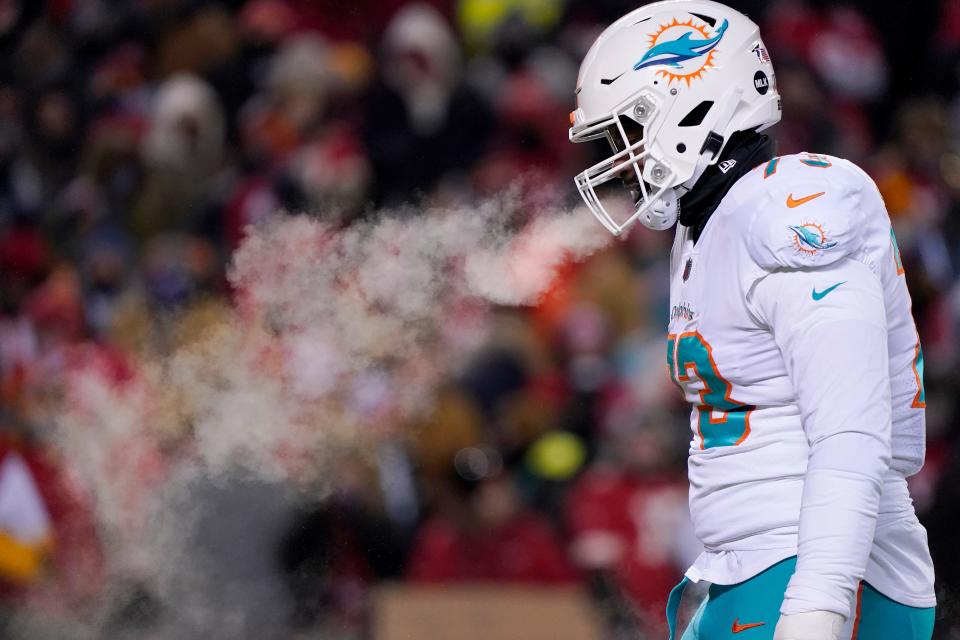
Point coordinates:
[(520, 270), (339, 336)]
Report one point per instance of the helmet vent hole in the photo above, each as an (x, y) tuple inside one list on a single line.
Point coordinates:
[(681, 148), (711, 21), (696, 115)]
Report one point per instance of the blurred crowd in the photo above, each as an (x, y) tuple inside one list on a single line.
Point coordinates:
[(140, 138)]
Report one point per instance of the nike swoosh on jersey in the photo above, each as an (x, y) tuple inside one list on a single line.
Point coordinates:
[(737, 627), (791, 202), (818, 295)]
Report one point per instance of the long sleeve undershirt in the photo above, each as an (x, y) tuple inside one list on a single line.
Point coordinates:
[(835, 348)]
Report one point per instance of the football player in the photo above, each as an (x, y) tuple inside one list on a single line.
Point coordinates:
[(790, 333)]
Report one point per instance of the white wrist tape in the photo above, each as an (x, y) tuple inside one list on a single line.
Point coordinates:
[(810, 625)]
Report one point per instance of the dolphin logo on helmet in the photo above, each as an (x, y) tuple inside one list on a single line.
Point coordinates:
[(675, 52)]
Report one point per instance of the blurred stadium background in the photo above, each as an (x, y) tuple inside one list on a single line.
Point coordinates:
[(543, 495)]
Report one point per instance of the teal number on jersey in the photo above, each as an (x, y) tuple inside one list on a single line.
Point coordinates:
[(671, 352), (731, 425), (897, 260), (816, 161), (919, 400)]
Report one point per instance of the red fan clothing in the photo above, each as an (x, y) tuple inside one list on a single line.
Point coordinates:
[(525, 549), (628, 524)]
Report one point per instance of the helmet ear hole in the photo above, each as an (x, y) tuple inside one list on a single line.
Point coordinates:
[(696, 115)]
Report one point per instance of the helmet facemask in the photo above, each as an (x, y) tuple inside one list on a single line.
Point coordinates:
[(649, 180)]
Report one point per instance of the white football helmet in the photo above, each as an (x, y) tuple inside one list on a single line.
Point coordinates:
[(666, 85)]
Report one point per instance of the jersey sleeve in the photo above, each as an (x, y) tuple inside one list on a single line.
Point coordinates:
[(830, 325), (811, 218)]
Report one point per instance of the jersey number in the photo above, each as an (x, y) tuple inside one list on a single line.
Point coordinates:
[(920, 399), (721, 420)]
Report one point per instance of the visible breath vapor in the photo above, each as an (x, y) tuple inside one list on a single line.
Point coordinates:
[(338, 338)]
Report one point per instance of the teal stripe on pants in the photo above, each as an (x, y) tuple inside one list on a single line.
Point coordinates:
[(882, 618), (750, 611)]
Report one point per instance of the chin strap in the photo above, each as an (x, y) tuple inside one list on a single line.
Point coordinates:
[(664, 211)]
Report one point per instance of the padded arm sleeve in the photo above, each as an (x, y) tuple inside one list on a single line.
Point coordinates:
[(830, 325)]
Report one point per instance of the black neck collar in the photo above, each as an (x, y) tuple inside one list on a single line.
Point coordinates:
[(744, 151)]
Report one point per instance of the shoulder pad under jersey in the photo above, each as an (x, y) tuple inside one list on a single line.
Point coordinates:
[(809, 211)]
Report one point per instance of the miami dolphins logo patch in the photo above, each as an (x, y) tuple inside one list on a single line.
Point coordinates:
[(684, 49), (810, 238)]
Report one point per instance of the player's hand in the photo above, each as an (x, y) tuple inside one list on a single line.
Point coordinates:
[(812, 625)]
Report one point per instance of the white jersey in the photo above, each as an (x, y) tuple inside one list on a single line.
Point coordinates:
[(792, 336)]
